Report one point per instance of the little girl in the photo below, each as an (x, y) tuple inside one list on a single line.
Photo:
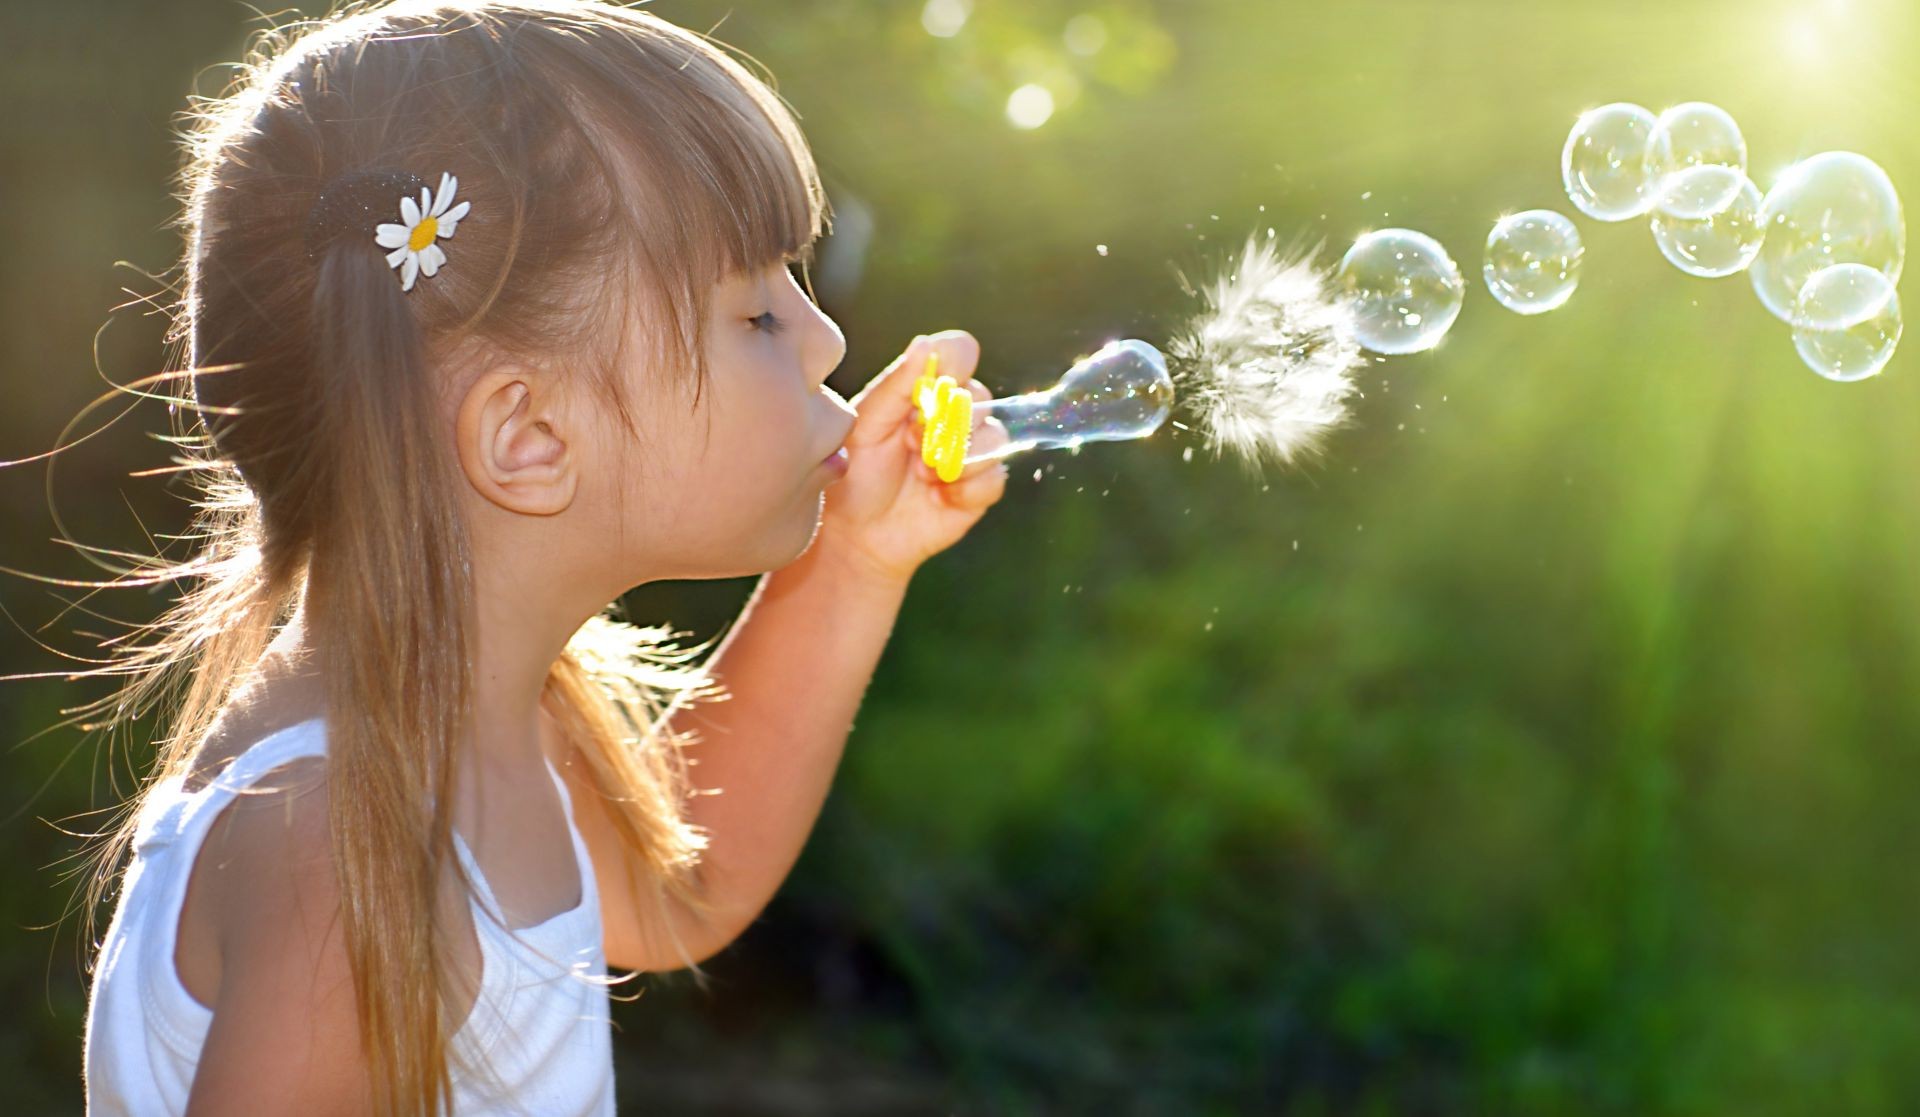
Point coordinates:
[(488, 318)]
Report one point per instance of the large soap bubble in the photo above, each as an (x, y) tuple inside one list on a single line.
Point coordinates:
[(1835, 208), (1403, 289), (1121, 392), (1606, 165), (1696, 134), (1846, 322), (1715, 243), (1533, 261)]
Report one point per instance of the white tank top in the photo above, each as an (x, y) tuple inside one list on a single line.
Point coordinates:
[(540, 1022)]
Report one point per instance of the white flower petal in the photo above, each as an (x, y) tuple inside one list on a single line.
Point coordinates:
[(453, 217), (390, 235), (426, 200), (397, 255), (431, 257), (410, 212), (410, 271), (441, 199)]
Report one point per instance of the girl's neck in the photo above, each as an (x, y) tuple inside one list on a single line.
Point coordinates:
[(511, 661)]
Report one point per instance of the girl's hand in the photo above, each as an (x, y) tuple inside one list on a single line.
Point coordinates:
[(890, 513)]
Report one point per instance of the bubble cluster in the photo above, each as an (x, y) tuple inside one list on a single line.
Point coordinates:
[(1824, 248), (1403, 290), (1835, 208), (1688, 166), (1533, 261), (1606, 164), (1846, 322)]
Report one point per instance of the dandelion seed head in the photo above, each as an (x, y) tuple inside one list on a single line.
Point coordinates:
[(1267, 365)]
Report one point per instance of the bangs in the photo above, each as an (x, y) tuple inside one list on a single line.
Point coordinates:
[(705, 170), (740, 190), (765, 203)]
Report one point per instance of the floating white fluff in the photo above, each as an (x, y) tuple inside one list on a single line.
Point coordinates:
[(1267, 367)]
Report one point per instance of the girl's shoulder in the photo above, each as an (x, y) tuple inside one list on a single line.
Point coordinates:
[(282, 983), (251, 817), (252, 727)]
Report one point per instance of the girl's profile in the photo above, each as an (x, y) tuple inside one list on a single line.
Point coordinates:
[(491, 310)]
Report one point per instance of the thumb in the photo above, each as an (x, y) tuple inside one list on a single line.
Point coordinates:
[(887, 400)]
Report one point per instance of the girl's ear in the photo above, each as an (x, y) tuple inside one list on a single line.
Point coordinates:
[(513, 442)]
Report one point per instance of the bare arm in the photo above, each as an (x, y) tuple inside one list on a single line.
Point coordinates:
[(796, 666), (285, 1036)]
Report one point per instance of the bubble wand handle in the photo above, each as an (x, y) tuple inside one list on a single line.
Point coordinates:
[(1121, 392)]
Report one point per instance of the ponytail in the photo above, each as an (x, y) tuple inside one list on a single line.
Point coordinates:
[(390, 612)]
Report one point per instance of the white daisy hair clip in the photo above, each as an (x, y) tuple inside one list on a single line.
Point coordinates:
[(350, 202)]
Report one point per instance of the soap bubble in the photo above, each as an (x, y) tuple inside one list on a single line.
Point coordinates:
[(1533, 261), (1696, 134), (1606, 165), (1121, 392), (1720, 243), (1404, 290), (1846, 322), (1835, 208)]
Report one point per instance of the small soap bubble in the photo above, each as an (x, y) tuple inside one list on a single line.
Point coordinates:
[(1835, 208), (1533, 261), (1101, 249), (1605, 164), (1719, 244), (1696, 134), (1404, 290), (1846, 322)]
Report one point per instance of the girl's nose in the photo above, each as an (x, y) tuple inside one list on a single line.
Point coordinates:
[(824, 345)]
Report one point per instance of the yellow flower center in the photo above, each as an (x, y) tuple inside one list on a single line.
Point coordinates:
[(424, 233)]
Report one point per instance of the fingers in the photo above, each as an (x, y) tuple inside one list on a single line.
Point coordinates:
[(988, 434), (959, 354), (887, 400), (978, 488)]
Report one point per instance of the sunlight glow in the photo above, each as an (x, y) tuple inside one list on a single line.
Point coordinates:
[(1030, 106)]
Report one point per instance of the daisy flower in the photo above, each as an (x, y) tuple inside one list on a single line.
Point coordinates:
[(426, 221)]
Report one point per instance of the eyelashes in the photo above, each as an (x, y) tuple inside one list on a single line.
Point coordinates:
[(767, 322)]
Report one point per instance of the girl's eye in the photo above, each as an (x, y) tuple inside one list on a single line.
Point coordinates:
[(768, 322)]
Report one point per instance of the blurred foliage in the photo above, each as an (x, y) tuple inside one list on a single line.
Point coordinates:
[(1549, 747)]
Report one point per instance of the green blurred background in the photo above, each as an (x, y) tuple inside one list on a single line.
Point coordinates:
[(1549, 747)]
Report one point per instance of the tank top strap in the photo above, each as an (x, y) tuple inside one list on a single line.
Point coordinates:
[(581, 858), (171, 809), (589, 889)]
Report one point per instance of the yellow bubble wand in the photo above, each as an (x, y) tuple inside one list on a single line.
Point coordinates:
[(1120, 392)]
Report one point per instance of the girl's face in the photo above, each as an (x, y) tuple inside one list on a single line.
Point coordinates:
[(735, 485)]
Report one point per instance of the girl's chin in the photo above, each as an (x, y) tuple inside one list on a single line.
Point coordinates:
[(815, 512)]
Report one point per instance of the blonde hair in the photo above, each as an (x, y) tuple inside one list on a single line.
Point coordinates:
[(618, 166)]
